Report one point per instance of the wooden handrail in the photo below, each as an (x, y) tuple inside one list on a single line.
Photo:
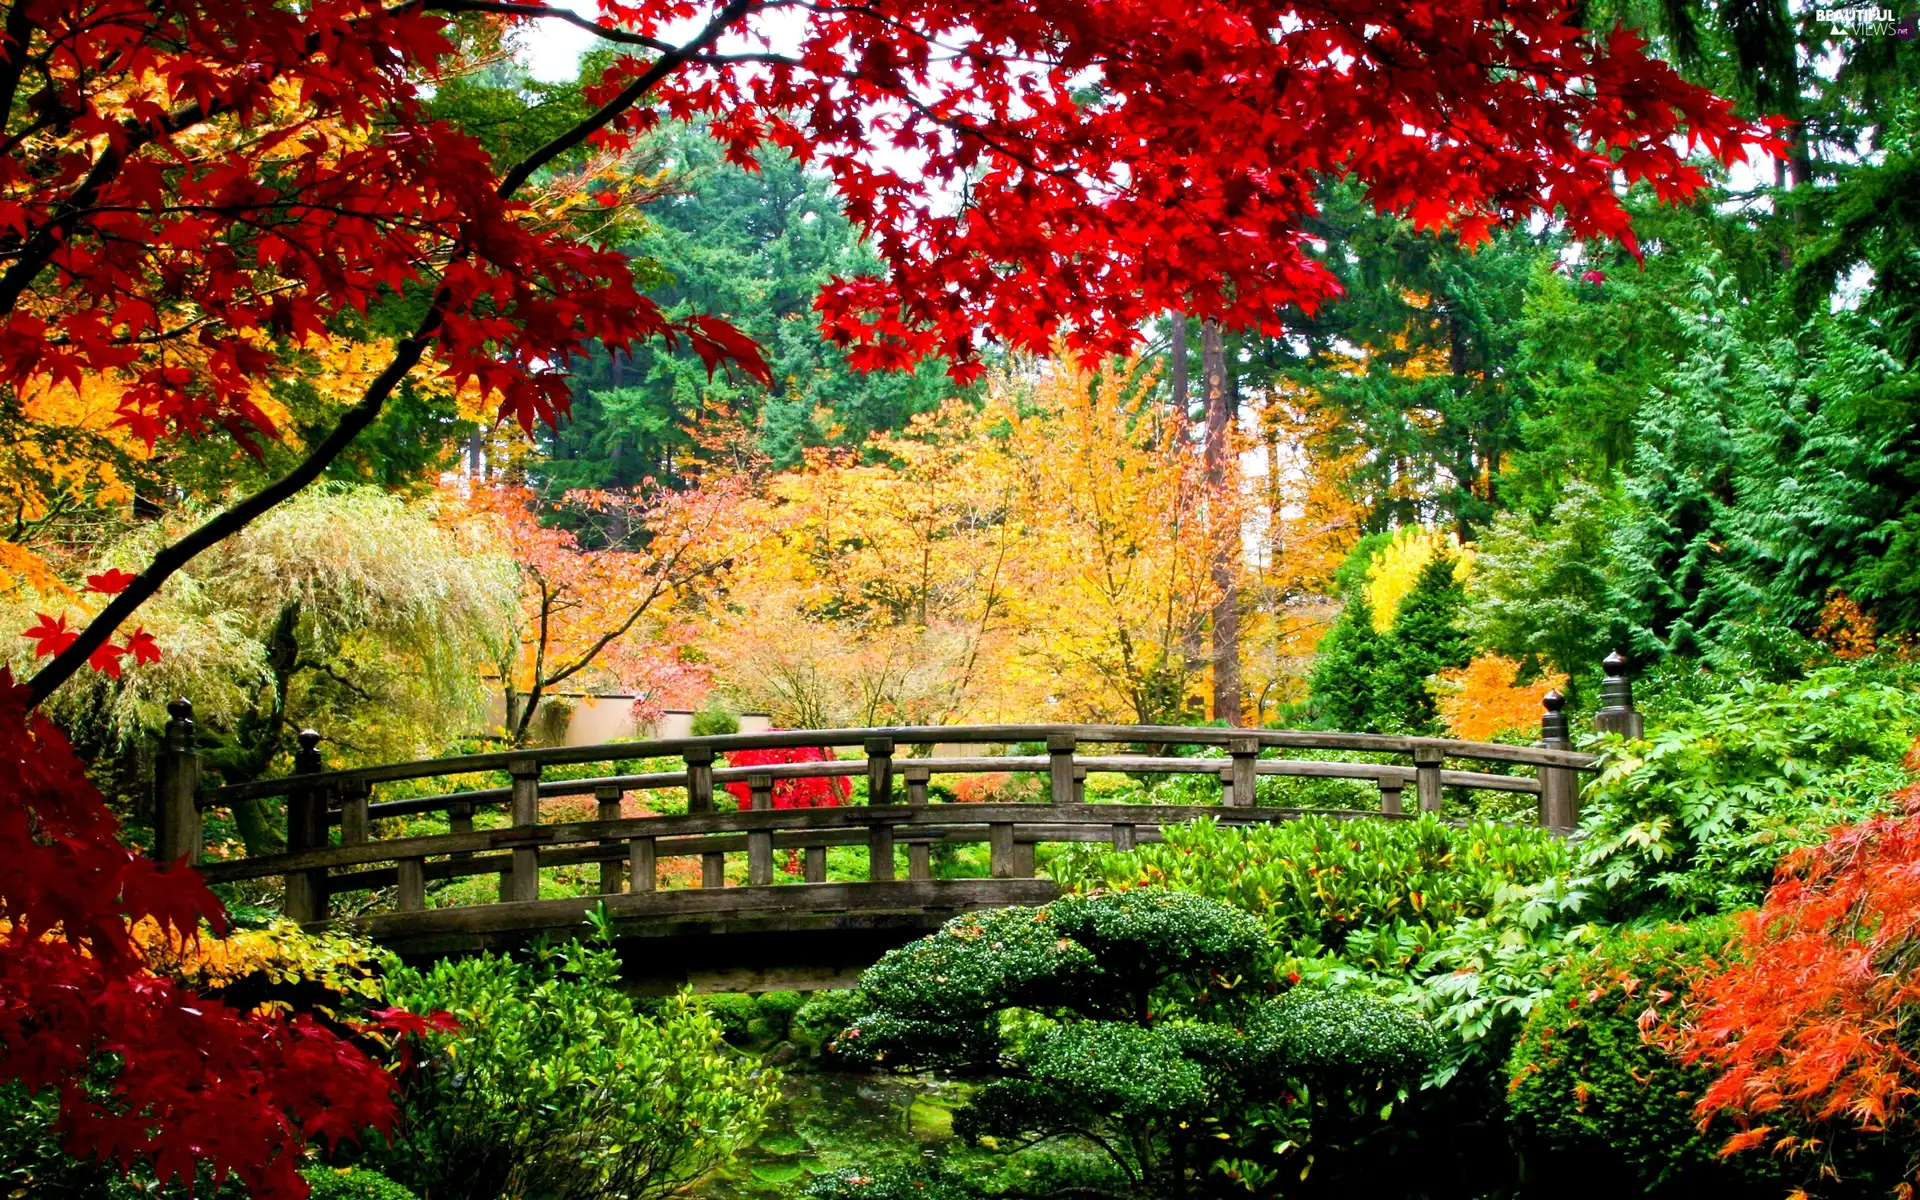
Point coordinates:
[(1031, 822), (1023, 764), (917, 735)]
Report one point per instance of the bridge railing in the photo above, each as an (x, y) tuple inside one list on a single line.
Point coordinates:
[(318, 865)]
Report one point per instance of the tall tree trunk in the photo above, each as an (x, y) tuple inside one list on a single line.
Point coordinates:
[(1221, 403), (1177, 355), (1193, 648)]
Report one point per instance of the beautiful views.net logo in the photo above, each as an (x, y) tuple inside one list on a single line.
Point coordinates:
[(1870, 20)]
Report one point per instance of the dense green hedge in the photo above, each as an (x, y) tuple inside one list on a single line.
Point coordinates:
[(1595, 1107)]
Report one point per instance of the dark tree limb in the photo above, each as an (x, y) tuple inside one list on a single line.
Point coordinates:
[(407, 355)]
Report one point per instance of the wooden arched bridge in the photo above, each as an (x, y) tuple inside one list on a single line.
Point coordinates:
[(344, 868)]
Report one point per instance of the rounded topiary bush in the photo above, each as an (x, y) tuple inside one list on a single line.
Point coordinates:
[(734, 1011), (1596, 1109), (352, 1183)]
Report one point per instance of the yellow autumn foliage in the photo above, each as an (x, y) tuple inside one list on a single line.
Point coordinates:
[(279, 955), (1397, 568)]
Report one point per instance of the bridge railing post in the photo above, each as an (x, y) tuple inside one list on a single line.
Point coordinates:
[(760, 841), (1060, 748), (176, 789), (1426, 776), (879, 795), (608, 809), (1245, 753), (919, 862), (699, 760), (1390, 792), (355, 822), (522, 880), (1559, 786), (1617, 714), (306, 891)]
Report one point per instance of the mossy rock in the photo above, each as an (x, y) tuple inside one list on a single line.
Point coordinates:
[(778, 1172), (929, 1121), (783, 1144)]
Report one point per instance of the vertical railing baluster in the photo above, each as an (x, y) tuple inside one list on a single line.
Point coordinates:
[(879, 795), (460, 820), (1558, 794), (306, 891), (1000, 863), (1426, 776), (412, 889), (176, 789), (1245, 753), (355, 825), (760, 841), (1390, 790), (522, 882), (816, 864), (608, 798), (919, 864), (699, 759), (1079, 783), (1226, 774), (1060, 748), (640, 864), (1123, 836)]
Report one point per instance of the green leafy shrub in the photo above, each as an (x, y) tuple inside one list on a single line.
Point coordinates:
[(555, 1086), (1599, 1111), (1693, 819), (824, 1016), (714, 720), (1375, 894), (911, 1183), (734, 1011), (779, 1006), (352, 1183)]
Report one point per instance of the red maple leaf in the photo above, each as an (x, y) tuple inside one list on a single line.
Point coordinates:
[(107, 659), (143, 648), (110, 582), (50, 637)]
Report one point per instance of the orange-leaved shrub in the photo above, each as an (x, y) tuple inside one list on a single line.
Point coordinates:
[(1816, 1025)]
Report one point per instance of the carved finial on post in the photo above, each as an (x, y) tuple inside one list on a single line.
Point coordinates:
[(1616, 713), (176, 788), (1559, 786), (1553, 722), (179, 735), (306, 760)]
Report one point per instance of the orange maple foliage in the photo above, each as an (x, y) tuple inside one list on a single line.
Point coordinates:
[(1816, 1025), (602, 615), (1848, 628), (1482, 700)]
